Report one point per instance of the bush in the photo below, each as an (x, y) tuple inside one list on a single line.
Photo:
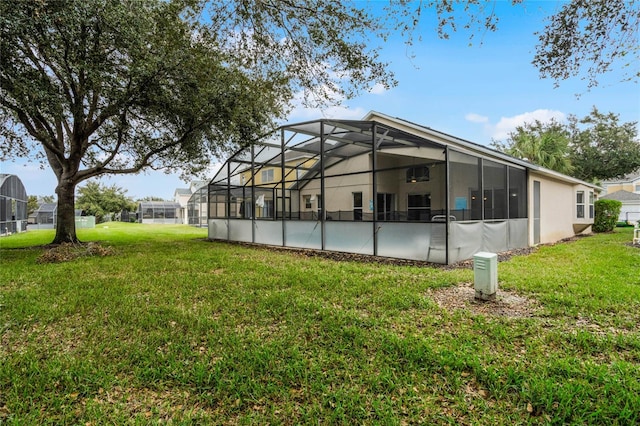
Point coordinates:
[(607, 213)]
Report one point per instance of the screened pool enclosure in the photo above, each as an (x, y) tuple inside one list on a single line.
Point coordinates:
[(158, 212), (370, 188), (13, 205)]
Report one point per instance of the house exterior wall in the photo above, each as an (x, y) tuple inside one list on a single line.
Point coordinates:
[(630, 211), (275, 173), (626, 186), (182, 199), (558, 210), (338, 190), (629, 183)]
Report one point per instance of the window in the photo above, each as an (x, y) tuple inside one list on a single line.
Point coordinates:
[(418, 174), (464, 182), (580, 204), (419, 207), (517, 193), (267, 176), (637, 187), (590, 204), (495, 194), (357, 205), (385, 206), (307, 201)]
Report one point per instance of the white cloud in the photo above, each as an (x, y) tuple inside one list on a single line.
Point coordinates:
[(507, 125), (476, 118), (300, 112), (337, 109), (378, 89), (343, 112)]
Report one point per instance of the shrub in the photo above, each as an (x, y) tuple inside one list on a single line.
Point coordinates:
[(607, 212)]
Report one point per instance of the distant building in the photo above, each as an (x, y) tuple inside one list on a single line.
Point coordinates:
[(630, 211), (13, 205), (159, 212), (46, 217), (629, 183), (181, 196), (193, 203), (197, 207)]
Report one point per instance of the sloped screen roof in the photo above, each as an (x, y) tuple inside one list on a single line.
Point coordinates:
[(159, 205), (340, 139)]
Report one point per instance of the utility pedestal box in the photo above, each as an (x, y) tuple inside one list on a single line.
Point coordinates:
[(485, 271)]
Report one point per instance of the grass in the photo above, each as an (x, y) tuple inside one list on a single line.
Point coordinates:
[(172, 328)]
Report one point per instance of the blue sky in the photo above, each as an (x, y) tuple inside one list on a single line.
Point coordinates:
[(479, 93)]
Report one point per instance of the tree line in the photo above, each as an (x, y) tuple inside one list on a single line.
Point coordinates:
[(95, 199), (594, 148)]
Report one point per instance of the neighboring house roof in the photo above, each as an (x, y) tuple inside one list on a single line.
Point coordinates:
[(481, 149), (626, 179), (622, 196), (52, 208), (183, 191), (47, 208)]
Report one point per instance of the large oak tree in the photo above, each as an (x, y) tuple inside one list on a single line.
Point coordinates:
[(110, 87), (602, 148)]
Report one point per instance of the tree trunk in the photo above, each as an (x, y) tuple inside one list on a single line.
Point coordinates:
[(66, 220)]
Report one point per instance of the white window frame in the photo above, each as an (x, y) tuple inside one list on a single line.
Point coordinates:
[(411, 209), (580, 204), (267, 175), (358, 208)]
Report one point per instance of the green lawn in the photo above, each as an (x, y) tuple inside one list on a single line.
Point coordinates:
[(175, 328)]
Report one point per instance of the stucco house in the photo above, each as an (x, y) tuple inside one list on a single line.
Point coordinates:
[(193, 203), (181, 196), (387, 187), (627, 191), (629, 183)]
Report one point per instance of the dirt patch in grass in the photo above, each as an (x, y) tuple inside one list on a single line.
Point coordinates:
[(506, 304), (70, 251)]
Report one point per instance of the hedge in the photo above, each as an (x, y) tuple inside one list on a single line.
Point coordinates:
[(607, 213)]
